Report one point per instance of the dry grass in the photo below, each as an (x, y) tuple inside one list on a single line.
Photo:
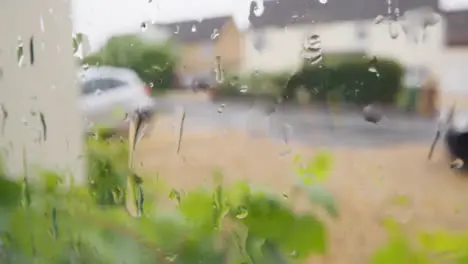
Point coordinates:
[(364, 181)]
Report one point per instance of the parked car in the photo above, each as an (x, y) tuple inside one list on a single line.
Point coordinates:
[(109, 95)]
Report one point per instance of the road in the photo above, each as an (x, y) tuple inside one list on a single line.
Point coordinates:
[(311, 126)]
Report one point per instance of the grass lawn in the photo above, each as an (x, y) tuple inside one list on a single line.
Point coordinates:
[(369, 184)]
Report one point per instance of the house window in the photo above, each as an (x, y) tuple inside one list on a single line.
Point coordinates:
[(361, 30)]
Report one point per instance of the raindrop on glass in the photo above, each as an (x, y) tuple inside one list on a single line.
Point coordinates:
[(143, 26), (98, 92), (214, 34), (258, 8), (194, 28), (242, 212), (379, 19), (323, 1), (20, 52), (312, 50), (177, 30), (41, 23), (219, 70), (393, 29), (244, 88), (221, 108)]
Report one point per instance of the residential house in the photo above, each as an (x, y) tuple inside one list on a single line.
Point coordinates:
[(200, 42), (454, 62), (277, 36)]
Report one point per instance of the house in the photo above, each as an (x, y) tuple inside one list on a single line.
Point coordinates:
[(438, 50), (454, 62), (277, 36), (200, 42)]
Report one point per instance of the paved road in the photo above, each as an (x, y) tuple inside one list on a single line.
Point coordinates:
[(312, 126)]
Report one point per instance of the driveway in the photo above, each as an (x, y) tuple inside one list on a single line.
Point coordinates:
[(312, 126), (367, 182)]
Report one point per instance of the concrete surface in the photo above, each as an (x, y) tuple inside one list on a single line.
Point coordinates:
[(310, 126)]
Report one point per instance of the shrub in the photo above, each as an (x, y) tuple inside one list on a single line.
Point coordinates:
[(46, 223), (355, 80), (266, 85), (154, 63)]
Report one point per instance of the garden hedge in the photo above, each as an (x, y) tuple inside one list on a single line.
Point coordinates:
[(357, 80)]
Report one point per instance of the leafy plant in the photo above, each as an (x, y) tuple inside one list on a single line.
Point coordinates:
[(226, 224)]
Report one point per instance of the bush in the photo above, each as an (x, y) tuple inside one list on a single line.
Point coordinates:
[(45, 223), (264, 85), (354, 80), (154, 63)]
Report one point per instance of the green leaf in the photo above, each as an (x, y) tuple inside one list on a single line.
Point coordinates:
[(438, 242), (316, 171), (272, 254), (51, 181), (10, 193), (197, 207), (306, 236), (319, 195), (268, 218), (253, 248), (238, 193), (320, 167), (398, 250)]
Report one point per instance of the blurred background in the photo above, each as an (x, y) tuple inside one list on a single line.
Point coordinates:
[(222, 131)]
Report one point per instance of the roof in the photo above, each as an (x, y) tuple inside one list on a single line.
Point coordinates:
[(194, 30), (281, 13)]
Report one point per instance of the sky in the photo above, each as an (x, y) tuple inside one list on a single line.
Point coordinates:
[(100, 19)]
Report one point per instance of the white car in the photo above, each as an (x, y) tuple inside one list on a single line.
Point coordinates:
[(109, 95)]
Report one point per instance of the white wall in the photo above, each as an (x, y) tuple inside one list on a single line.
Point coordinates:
[(46, 86), (283, 46)]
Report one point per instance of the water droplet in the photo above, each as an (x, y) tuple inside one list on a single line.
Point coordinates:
[(312, 49), (85, 66), (242, 212), (177, 30), (24, 121), (258, 8), (194, 28), (20, 52), (143, 26), (393, 29), (323, 1), (41, 23), (379, 19), (372, 114), (244, 88), (219, 70), (221, 108), (372, 69), (98, 92), (215, 34)]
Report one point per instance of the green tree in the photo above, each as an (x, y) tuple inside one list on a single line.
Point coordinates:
[(153, 62)]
